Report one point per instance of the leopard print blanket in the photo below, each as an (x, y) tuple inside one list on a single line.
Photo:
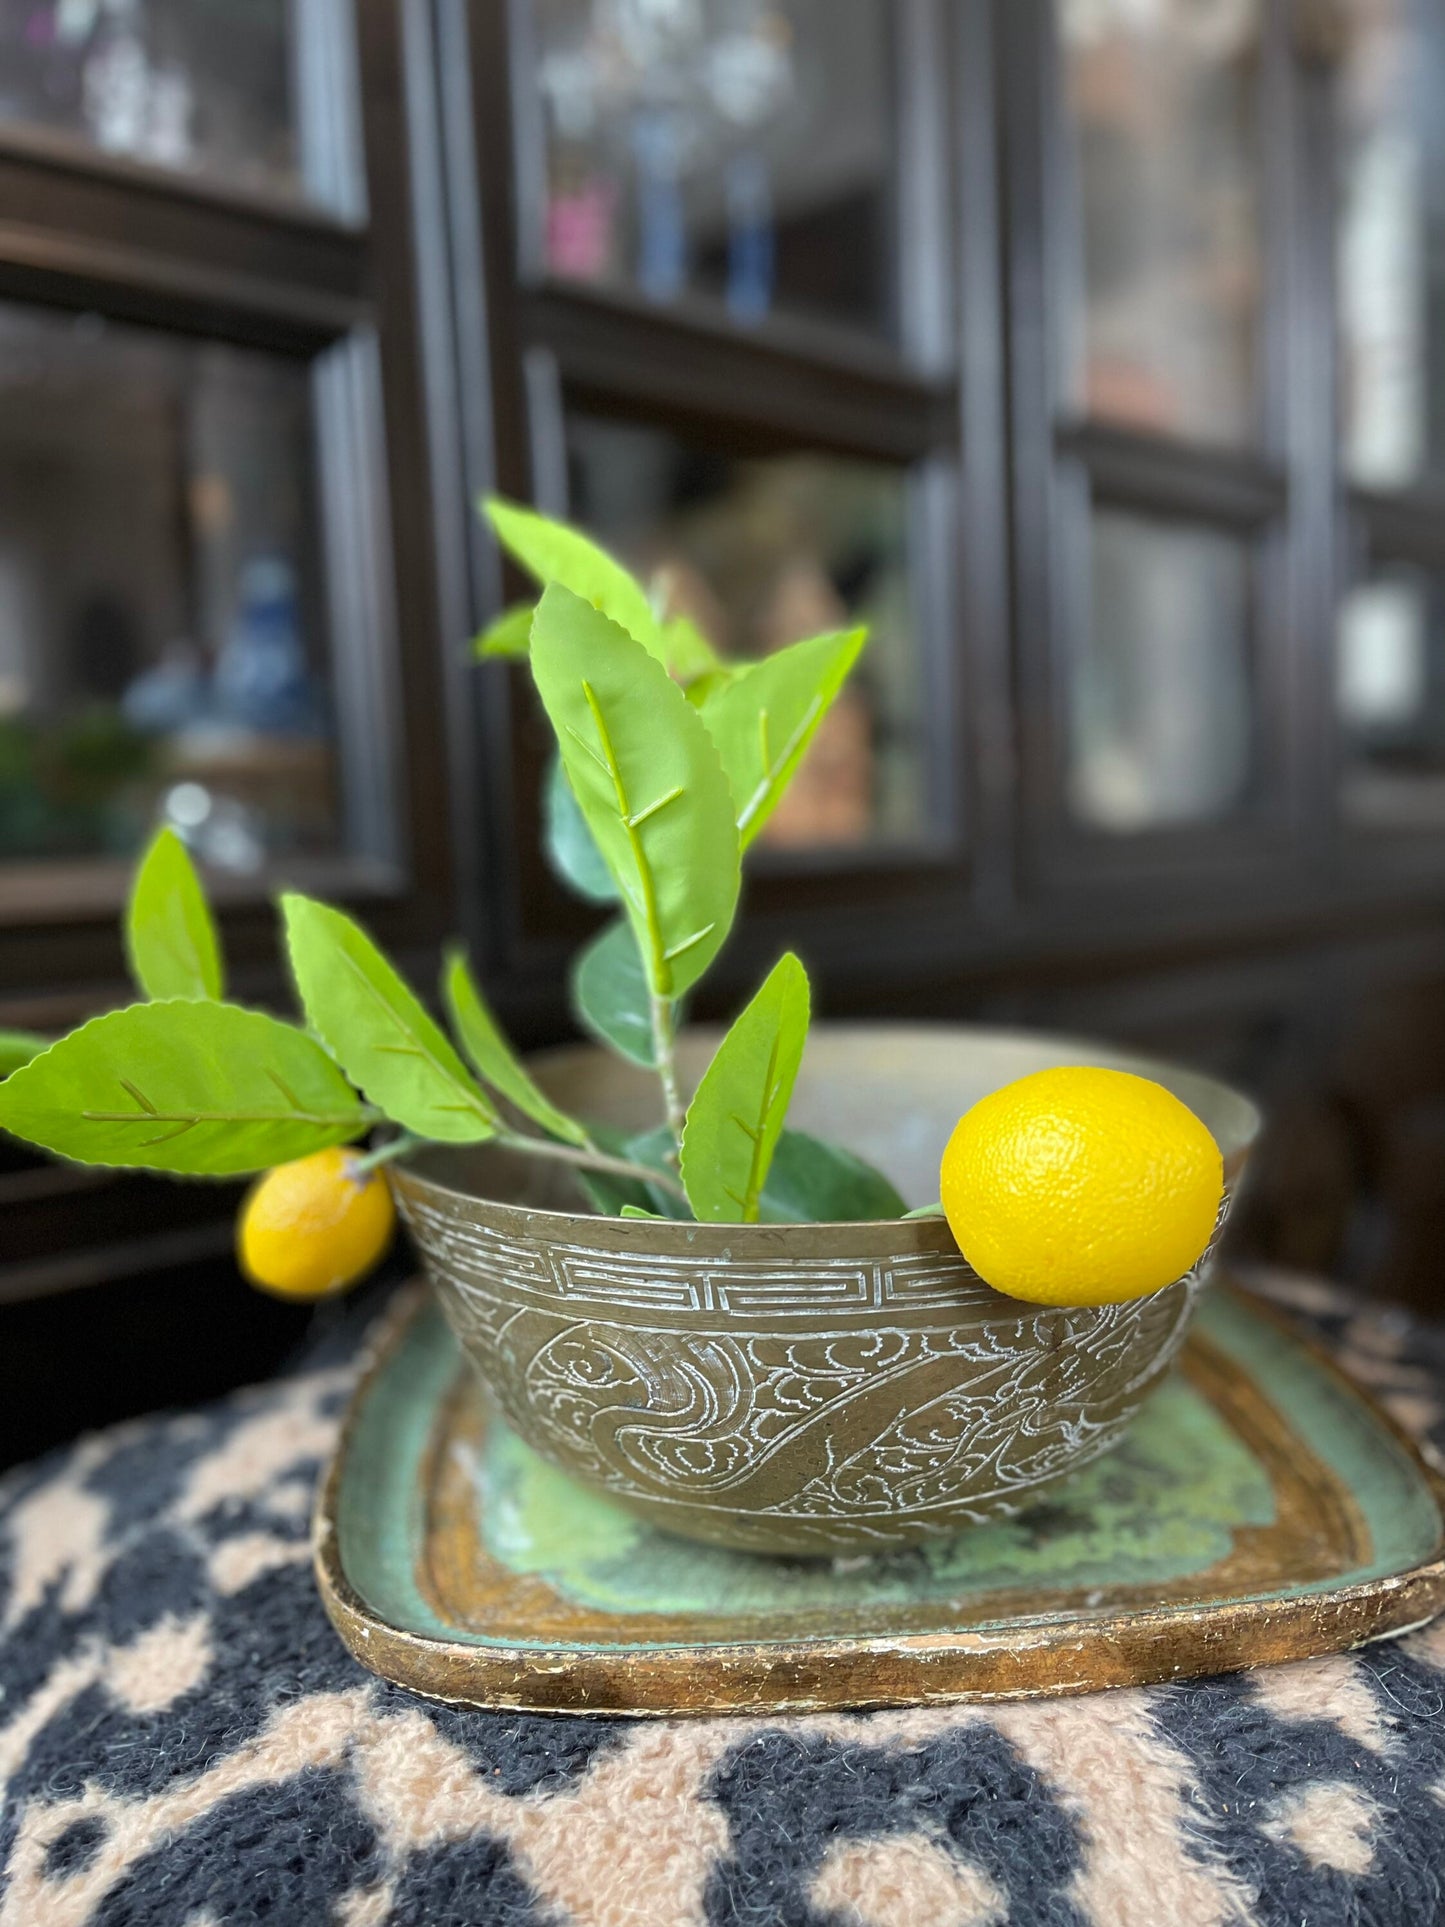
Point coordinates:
[(185, 1743)]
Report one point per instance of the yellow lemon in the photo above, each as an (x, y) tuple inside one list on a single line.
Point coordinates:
[(1081, 1186), (314, 1227)]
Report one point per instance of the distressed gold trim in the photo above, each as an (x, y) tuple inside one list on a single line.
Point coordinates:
[(1046, 1655)]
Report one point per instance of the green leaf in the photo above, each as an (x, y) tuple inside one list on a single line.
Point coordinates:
[(552, 552), (764, 721), (570, 846), (814, 1182), (188, 1086), (607, 1191), (687, 651), (657, 1149), (649, 782), (17, 1047), (735, 1119), (377, 1029), (926, 1211), (169, 932), (614, 1196), (495, 1060), (705, 688), (610, 994), (636, 1211), (508, 635)]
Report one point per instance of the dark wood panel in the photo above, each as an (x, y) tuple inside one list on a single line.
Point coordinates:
[(770, 387), (151, 248), (1272, 948), (140, 244), (1227, 487)]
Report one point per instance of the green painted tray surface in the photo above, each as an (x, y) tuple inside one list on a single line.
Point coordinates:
[(1165, 1504)]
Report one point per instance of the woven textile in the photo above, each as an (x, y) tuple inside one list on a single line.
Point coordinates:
[(185, 1743)]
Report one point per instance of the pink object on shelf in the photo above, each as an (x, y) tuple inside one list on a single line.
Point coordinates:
[(579, 231)]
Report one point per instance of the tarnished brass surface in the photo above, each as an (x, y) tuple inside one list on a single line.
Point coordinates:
[(800, 1389)]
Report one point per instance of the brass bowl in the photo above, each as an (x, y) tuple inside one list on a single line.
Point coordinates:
[(804, 1389)]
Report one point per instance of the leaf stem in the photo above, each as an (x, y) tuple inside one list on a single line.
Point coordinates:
[(588, 1158), (538, 1147), (664, 1054), (395, 1147)]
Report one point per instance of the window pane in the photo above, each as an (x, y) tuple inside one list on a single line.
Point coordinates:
[(204, 86), (1391, 266), (160, 616), (1163, 116), (1390, 695), (738, 149), (763, 552), (1161, 688)]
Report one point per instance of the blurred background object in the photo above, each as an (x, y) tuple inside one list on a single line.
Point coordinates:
[(745, 152), (1091, 351), (158, 592), (761, 553), (202, 86)]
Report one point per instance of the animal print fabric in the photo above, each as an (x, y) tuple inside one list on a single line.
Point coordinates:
[(185, 1743)]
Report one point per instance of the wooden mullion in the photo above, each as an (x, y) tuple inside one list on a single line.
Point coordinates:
[(769, 386), (1237, 488), (149, 249), (178, 296), (45, 152)]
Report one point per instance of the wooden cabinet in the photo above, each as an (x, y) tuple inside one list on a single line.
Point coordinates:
[(1141, 316), (1090, 352), (217, 595)]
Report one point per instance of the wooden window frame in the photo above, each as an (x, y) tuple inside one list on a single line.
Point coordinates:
[(1287, 857), (333, 288), (1064, 460), (1371, 526), (784, 383), (353, 294)]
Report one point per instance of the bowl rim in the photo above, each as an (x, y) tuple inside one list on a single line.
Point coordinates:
[(862, 1237)]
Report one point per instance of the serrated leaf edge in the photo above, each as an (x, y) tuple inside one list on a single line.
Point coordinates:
[(475, 1097)]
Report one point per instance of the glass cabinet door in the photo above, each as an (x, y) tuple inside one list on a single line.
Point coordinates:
[(1161, 483), (1390, 698), (1390, 338), (1161, 331), (162, 615), (206, 87), (760, 552), (1160, 691), (1391, 242), (739, 150)]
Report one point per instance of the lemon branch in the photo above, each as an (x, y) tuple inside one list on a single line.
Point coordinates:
[(546, 1148), (664, 1057), (584, 1158), (400, 1146)]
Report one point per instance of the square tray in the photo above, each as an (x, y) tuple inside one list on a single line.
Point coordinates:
[(1260, 1509)]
